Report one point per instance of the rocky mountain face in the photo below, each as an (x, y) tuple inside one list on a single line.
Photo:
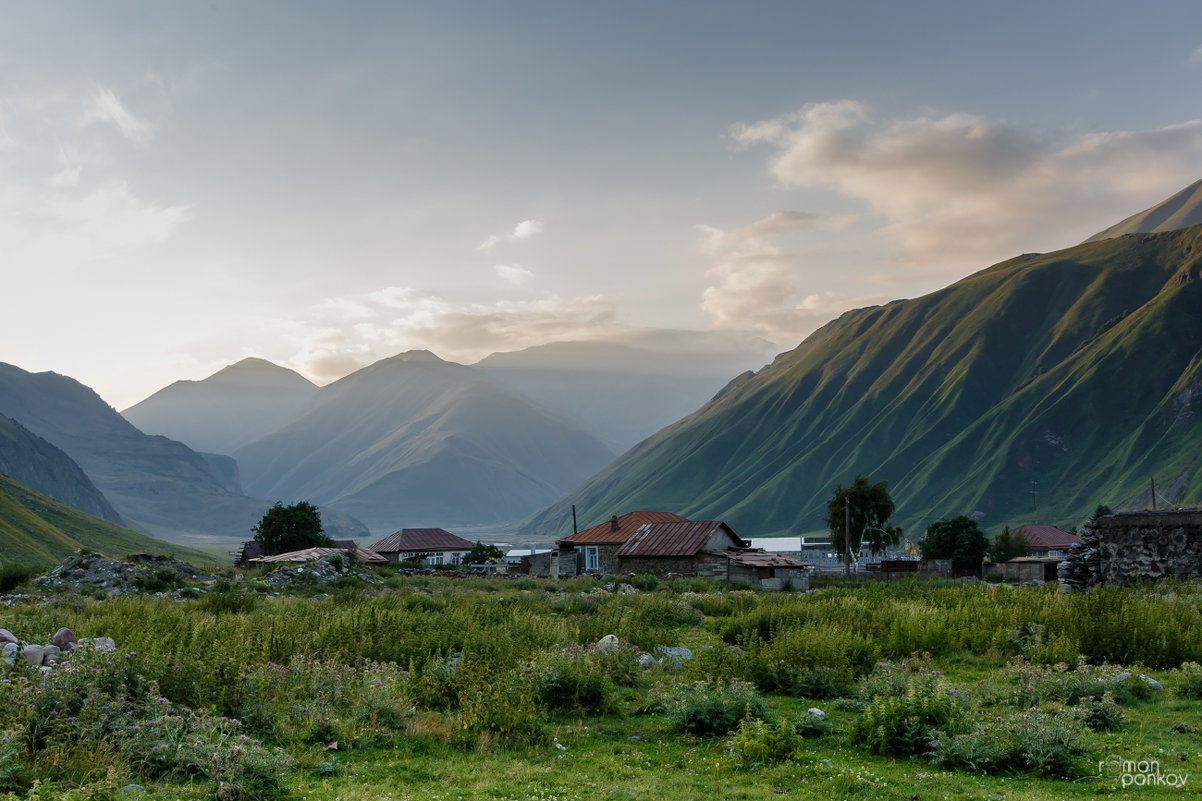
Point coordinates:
[(1180, 211), (227, 410), (1035, 389), (414, 440), (157, 485), (34, 462)]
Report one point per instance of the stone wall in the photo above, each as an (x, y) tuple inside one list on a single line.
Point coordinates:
[(1134, 547)]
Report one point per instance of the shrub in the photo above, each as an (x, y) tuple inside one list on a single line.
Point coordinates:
[(13, 575), (1035, 741), (903, 725), (1033, 684), (572, 679), (1100, 714), (1188, 681), (759, 743), (710, 707)]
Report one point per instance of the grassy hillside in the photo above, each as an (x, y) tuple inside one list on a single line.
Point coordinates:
[(1075, 372), (37, 530)]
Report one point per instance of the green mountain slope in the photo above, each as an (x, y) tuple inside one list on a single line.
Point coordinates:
[(1077, 370), (38, 530), (1180, 211), (414, 440)]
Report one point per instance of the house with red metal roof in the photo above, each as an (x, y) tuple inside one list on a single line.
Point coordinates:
[(430, 546), (708, 548), (595, 549), (1047, 541)]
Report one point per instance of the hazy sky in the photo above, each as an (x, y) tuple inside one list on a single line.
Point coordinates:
[(185, 184)]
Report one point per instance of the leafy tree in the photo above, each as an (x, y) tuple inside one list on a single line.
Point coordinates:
[(1007, 546), (290, 528), (869, 508), (959, 539), (482, 554)]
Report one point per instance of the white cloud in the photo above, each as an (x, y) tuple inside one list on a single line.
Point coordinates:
[(105, 106), (961, 191), (1196, 56), (395, 319), (526, 229), (514, 274)]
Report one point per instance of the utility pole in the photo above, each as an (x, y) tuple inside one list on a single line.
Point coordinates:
[(1153, 493), (847, 535)]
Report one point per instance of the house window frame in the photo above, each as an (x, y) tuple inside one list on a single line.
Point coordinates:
[(592, 557)]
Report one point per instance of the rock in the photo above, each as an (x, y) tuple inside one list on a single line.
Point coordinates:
[(11, 649), (33, 655), (606, 643), (674, 655), (626, 589), (1151, 682), (816, 712), (51, 654), (7, 636), (64, 638), (646, 661)]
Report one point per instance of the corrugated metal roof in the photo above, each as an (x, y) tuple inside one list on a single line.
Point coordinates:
[(421, 539), (686, 538), (1049, 537), (627, 524), (756, 558), (309, 554)]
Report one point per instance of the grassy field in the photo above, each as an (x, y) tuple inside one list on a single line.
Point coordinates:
[(441, 688)]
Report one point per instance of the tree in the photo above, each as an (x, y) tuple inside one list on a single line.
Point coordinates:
[(1007, 546), (868, 507), (959, 539), (483, 554), (290, 528)]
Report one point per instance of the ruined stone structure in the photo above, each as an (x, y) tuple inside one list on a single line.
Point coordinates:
[(1133, 547)]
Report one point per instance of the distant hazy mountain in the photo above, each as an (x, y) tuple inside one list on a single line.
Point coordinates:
[(413, 440), (38, 530), (1181, 210), (156, 484), (1076, 374), (27, 458), (228, 409), (623, 392)]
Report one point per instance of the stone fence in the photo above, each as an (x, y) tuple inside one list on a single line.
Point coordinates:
[(1135, 547)]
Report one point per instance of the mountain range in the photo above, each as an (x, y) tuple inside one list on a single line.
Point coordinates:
[(1033, 390)]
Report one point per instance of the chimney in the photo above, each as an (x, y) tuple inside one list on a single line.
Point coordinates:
[(613, 523)]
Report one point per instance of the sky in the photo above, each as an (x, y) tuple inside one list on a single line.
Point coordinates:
[(183, 185)]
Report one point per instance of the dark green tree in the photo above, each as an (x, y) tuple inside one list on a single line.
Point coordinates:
[(959, 539), (869, 507), (1102, 511), (290, 528), (481, 554), (1007, 546)]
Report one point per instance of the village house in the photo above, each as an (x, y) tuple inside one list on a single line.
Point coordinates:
[(711, 549), (595, 549), (1047, 542), (429, 546)]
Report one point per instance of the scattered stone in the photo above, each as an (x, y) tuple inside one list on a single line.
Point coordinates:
[(816, 712), (11, 649), (1151, 682), (646, 661), (606, 643), (7, 636), (64, 638), (33, 655), (673, 655)]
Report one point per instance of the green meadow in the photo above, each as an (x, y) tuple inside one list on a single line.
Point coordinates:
[(433, 687)]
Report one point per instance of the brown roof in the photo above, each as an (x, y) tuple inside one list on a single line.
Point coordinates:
[(760, 558), (612, 533), (421, 539), (1047, 537), (686, 538), (309, 554)]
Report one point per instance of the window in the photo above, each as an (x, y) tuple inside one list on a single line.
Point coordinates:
[(590, 557)]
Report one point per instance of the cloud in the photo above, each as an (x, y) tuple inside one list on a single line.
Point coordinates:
[(962, 191), (1196, 56), (105, 106), (343, 334), (526, 229), (514, 274)]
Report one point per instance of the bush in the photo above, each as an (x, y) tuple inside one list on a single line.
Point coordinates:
[(1036, 741), (710, 707), (904, 725), (1188, 681), (572, 679), (1100, 714), (13, 576), (1034, 684), (759, 743)]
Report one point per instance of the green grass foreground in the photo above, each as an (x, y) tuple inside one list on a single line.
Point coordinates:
[(438, 688)]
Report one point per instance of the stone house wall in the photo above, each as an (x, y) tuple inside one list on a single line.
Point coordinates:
[(1135, 547)]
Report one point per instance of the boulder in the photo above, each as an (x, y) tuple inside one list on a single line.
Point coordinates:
[(33, 655), (816, 712), (7, 636), (65, 639), (11, 649), (607, 643)]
